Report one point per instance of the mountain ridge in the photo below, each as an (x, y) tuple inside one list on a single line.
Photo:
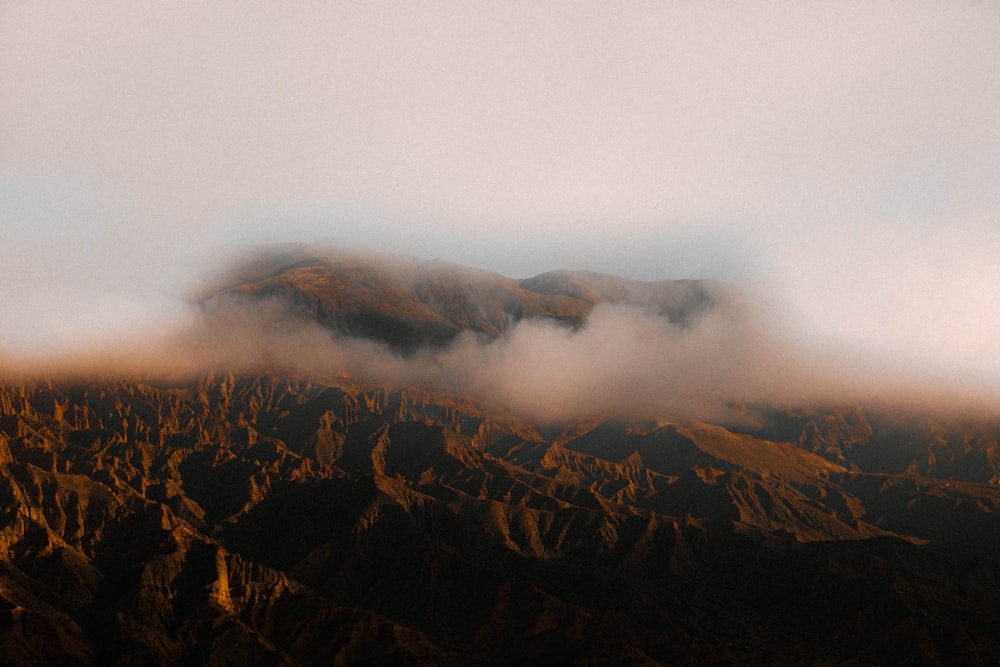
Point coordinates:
[(411, 303)]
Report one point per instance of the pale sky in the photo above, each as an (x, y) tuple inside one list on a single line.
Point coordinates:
[(842, 159)]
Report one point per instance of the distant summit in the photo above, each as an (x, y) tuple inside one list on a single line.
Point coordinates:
[(411, 303)]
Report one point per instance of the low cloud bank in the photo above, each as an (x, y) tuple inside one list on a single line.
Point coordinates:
[(624, 362)]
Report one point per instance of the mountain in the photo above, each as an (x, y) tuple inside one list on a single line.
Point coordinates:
[(411, 303), (290, 520)]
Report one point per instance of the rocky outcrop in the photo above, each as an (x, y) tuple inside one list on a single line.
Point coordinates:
[(891, 440), (264, 520)]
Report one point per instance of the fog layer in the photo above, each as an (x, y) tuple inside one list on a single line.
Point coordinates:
[(624, 362)]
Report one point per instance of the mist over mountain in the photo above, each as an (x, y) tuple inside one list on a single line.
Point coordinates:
[(410, 303), (554, 347), (558, 346), (344, 457)]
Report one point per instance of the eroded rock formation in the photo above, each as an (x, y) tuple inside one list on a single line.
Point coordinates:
[(264, 520)]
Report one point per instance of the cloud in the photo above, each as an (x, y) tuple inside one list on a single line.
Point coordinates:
[(625, 362)]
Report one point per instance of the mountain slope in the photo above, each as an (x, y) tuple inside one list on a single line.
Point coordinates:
[(410, 303), (275, 521)]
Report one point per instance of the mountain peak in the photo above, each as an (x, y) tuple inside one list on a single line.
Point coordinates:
[(412, 303)]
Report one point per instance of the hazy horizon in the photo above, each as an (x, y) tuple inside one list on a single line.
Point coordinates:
[(839, 163)]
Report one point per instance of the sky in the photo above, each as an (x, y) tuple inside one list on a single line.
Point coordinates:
[(839, 160)]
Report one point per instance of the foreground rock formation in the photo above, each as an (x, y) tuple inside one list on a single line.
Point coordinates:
[(264, 520)]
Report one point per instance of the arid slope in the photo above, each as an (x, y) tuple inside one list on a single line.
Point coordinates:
[(259, 520)]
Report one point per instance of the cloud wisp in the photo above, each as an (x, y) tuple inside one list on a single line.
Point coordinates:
[(624, 362)]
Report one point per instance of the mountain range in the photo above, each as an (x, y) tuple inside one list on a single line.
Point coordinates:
[(410, 303), (265, 517)]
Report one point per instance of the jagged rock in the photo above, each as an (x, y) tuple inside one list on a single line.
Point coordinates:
[(264, 520)]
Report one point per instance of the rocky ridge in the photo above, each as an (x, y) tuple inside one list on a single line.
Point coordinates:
[(265, 520)]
